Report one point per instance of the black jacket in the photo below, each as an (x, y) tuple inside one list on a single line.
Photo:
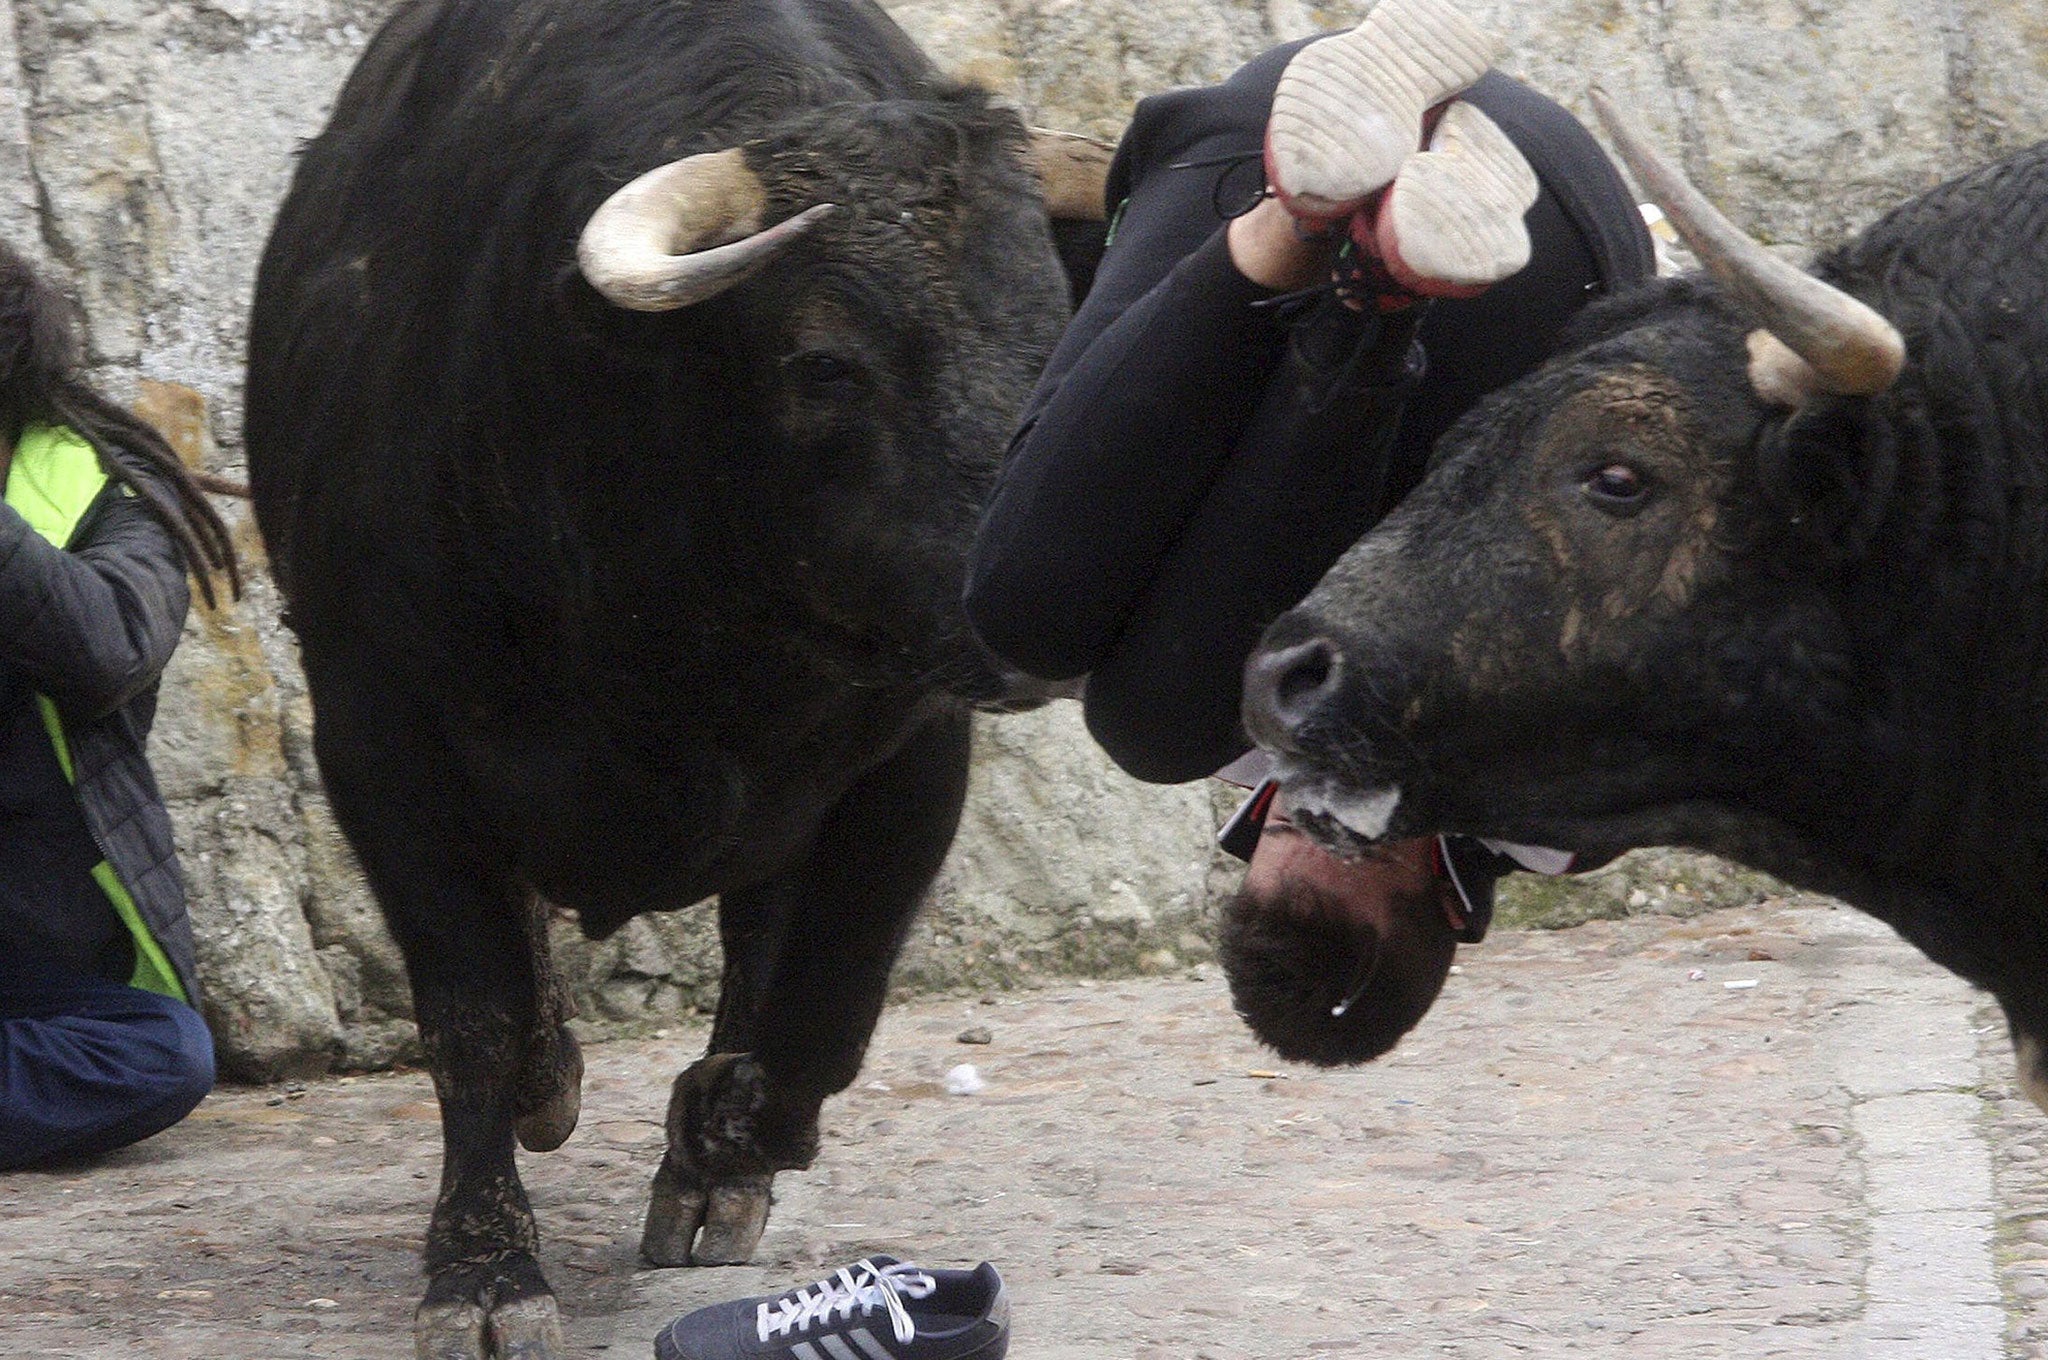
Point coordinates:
[(92, 626)]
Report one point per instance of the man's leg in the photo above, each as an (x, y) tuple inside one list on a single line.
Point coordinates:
[(88, 1065)]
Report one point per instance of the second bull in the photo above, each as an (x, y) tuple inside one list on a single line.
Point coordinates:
[(1759, 565)]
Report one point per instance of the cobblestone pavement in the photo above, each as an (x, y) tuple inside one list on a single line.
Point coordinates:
[(1775, 1132)]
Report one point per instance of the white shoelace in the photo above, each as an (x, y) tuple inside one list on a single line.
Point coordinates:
[(862, 1285)]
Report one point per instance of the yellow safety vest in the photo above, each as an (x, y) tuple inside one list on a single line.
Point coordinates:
[(53, 481)]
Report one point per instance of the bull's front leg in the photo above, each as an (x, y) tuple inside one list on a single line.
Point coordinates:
[(489, 1012), (808, 956), (480, 1008)]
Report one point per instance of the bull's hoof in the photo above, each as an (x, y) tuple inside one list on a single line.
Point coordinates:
[(502, 1310), (729, 1131), (733, 1222), (450, 1331), (522, 1329), (548, 1122), (715, 1225), (674, 1213)]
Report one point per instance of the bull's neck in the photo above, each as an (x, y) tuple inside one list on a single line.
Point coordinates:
[(1966, 658), (1938, 787)]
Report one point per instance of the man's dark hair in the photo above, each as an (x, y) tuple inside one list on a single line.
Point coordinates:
[(41, 379), (1295, 956)]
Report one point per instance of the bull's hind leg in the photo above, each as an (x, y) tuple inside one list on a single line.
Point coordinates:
[(2012, 970), (550, 1092), (2027, 1020), (2033, 1067), (808, 956)]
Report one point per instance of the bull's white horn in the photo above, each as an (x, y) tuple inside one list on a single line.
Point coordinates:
[(1852, 349), (1073, 170), (684, 232)]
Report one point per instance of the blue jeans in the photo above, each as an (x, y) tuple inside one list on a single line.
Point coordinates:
[(88, 1065)]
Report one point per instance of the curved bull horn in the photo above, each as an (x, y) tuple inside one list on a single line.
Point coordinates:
[(1073, 170), (1851, 349), (684, 232)]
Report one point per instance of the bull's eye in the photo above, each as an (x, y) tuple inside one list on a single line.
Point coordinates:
[(1616, 487), (818, 369)]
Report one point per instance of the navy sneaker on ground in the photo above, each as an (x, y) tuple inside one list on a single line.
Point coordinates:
[(878, 1308)]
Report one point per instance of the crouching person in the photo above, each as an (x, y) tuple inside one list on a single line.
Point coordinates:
[(100, 1043)]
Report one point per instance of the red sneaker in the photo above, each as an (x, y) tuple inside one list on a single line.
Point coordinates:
[(1349, 109), (1450, 224)]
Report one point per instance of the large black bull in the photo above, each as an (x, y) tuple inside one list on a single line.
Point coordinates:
[(619, 489), (1757, 566)]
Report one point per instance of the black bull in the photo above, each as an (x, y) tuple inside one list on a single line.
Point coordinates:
[(625, 585), (1731, 574)]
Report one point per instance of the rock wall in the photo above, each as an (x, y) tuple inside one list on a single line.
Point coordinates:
[(144, 144)]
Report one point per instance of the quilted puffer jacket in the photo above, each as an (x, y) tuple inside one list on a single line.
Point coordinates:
[(93, 595)]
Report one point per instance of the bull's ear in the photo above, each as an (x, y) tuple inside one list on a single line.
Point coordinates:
[(1832, 465)]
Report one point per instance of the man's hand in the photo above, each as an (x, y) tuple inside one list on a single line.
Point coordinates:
[(1268, 247)]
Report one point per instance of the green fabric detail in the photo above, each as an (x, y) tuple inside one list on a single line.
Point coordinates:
[(53, 480), (153, 971), (1116, 219), (52, 483), (54, 725)]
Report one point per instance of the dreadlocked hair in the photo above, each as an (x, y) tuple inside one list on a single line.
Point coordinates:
[(40, 379)]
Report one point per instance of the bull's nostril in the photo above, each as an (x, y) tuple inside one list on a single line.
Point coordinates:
[(1285, 687), (1309, 672)]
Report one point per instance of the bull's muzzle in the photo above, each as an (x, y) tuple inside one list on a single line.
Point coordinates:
[(1288, 686)]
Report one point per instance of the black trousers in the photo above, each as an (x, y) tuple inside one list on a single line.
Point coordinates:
[(1196, 455)]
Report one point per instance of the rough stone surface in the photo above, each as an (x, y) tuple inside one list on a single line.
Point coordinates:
[(1583, 1151), (145, 143)]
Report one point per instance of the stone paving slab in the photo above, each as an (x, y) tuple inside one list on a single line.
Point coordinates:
[(1593, 1147)]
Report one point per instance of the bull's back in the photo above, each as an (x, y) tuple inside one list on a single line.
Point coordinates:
[(1989, 224)]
